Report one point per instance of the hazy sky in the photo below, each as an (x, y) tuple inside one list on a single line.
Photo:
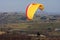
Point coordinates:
[(20, 5)]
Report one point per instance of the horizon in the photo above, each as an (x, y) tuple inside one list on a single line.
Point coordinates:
[(38, 12)]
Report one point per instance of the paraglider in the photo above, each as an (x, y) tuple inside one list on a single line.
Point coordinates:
[(32, 8)]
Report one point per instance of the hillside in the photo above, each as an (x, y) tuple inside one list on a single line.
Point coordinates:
[(15, 21)]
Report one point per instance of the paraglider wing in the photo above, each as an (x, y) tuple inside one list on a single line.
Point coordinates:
[(31, 9)]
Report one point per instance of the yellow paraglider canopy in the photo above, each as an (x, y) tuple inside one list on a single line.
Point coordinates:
[(32, 8)]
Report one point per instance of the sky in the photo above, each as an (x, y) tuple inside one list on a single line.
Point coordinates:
[(20, 5)]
